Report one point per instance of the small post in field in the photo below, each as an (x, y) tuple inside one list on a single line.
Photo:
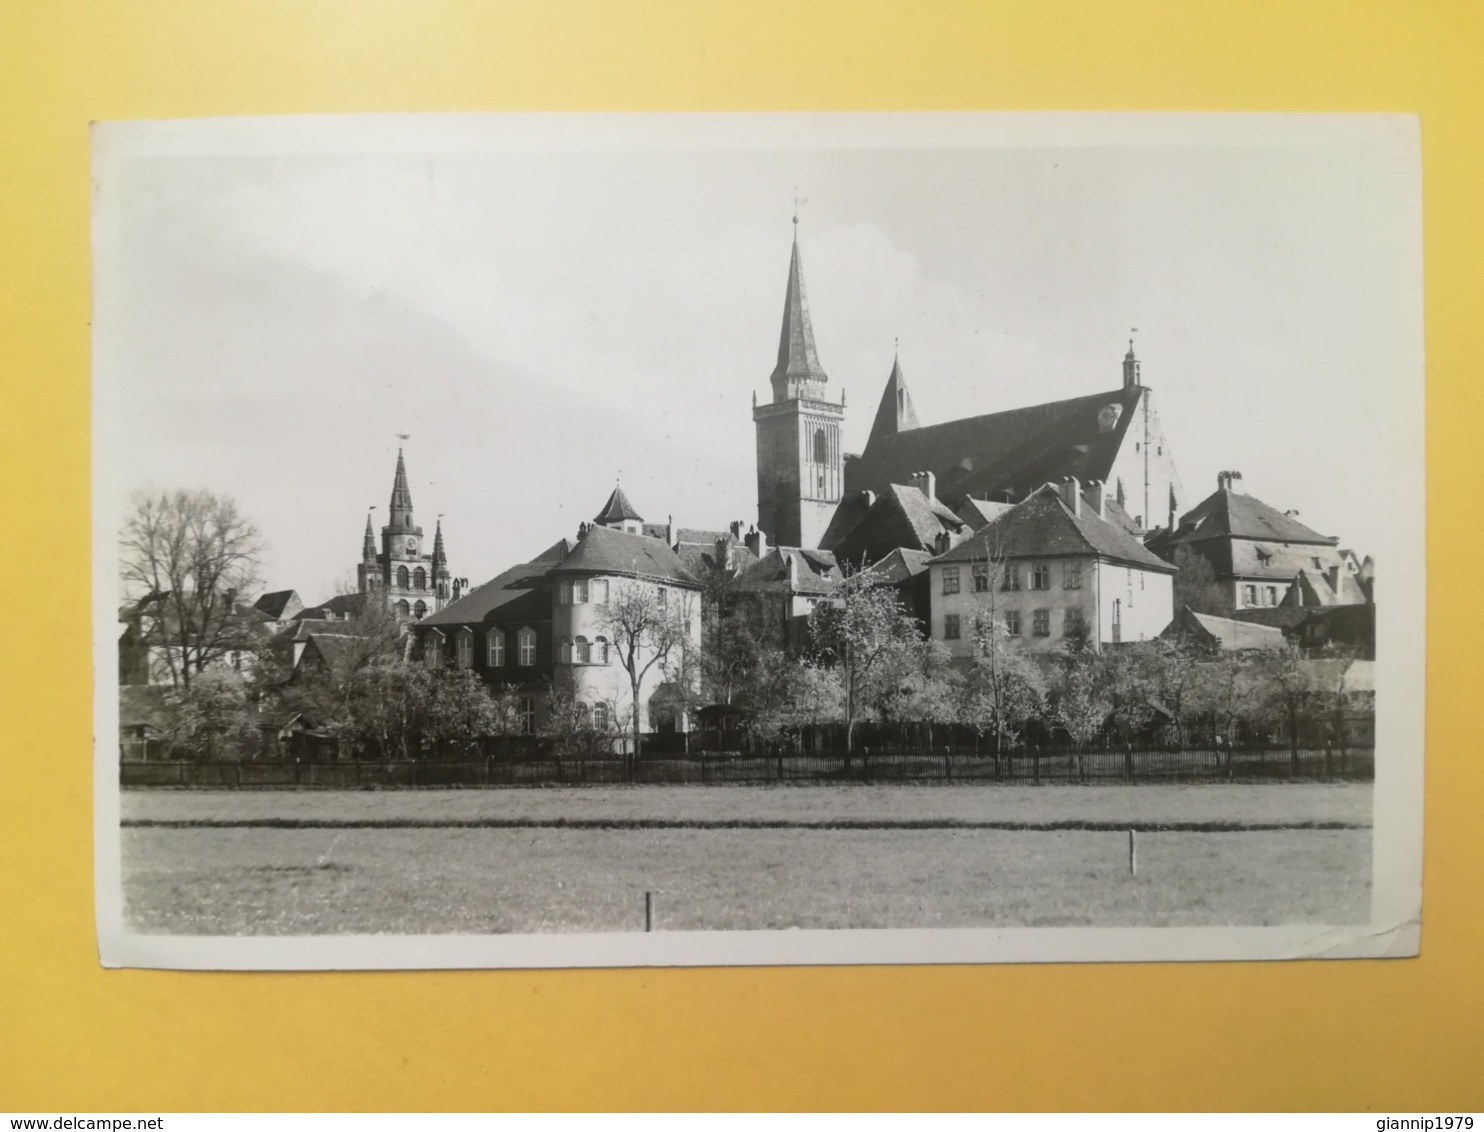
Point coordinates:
[(649, 911), (1133, 855)]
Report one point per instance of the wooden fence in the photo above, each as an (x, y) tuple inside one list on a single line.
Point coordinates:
[(1044, 767)]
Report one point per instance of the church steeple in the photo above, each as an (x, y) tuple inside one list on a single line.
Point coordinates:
[(440, 558), (895, 413), (368, 544), (401, 516), (798, 361)]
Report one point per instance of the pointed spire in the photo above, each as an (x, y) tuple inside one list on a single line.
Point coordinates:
[(401, 518), (440, 558), (797, 358), (368, 543), (895, 413), (617, 510)]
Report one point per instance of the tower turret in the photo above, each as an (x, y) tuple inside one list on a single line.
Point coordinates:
[(1130, 368), (895, 413), (800, 463)]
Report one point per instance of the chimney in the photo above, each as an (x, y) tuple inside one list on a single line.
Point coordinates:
[(757, 542), (725, 559), (925, 482), (1290, 514), (1071, 495), (1095, 499), (1229, 481)]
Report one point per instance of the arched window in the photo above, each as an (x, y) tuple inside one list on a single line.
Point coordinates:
[(494, 645), (401, 577), (600, 650), (526, 642), (582, 653), (821, 447), (565, 651), (419, 579), (420, 610), (404, 610), (600, 717)]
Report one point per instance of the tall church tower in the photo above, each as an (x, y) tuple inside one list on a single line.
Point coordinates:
[(800, 464), (412, 582)]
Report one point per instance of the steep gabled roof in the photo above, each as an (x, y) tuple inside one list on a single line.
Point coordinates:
[(602, 550), (977, 512), (1043, 527), (1233, 514), (274, 604), (1015, 450), (618, 509), (902, 517), (900, 565)]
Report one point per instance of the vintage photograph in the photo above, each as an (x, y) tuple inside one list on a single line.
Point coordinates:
[(552, 540)]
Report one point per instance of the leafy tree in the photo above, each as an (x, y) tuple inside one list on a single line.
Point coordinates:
[(1196, 585), (460, 707), (1003, 688), (864, 638), (193, 552), (1296, 694), (212, 715), (387, 707), (1083, 699)]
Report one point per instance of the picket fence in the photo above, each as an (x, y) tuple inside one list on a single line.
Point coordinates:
[(1043, 767)]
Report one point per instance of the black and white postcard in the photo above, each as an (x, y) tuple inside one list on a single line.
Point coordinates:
[(601, 540)]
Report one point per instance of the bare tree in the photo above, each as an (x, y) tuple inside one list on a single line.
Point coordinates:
[(648, 625), (194, 553)]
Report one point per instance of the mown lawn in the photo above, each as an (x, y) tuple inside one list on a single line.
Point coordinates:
[(412, 881), (1349, 803)]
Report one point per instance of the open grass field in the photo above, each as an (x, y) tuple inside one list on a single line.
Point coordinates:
[(435, 879)]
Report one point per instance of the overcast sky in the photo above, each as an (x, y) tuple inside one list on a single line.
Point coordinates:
[(542, 323)]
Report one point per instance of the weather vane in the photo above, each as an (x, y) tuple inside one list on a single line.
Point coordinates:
[(798, 202), (404, 436)]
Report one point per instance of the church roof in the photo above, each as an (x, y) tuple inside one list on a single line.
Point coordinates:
[(1234, 514), (618, 509), (895, 413), (1016, 450), (1043, 526), (602, 550), (797, 357)]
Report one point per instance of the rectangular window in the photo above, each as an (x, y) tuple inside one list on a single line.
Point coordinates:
[(1041, 622), (564, 593), (600, 591), (527, 711), (1041, 576), (466, 649), (1012, 576), (1272, 595), (1012, 622), (950, 627), (1072, 622), (1249, 595), (435, 651), (527, 649), (664, 597), (950, 579), (579, 592), (495, 649), (981, 578), (1071, 575)]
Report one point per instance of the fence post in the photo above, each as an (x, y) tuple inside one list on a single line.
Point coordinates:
[(649, 911), (1128, 762), (947, 764), (1036, 766), (1133, 855)]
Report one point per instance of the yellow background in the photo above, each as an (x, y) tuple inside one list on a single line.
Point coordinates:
[(73, 1037)]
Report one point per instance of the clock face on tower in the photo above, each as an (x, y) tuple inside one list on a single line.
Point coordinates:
[(412, 546)]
